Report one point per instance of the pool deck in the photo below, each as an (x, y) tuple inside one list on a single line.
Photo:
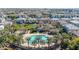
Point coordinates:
[(36, 46), (28, 35)]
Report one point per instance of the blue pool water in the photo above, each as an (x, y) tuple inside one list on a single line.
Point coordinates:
[(38, 37)]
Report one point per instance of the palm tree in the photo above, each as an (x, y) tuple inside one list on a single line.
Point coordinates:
[(49, 40), (34, 43), (28, 41), (38, 40)]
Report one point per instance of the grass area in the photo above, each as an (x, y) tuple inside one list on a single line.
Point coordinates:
[(24, 26)]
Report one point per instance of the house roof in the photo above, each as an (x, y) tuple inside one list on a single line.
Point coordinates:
[(75, 22), (71, 27)]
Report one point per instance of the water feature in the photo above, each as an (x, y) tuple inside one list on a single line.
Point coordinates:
[(37, 38)]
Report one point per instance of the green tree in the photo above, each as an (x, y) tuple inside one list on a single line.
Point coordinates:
[(74, 44)]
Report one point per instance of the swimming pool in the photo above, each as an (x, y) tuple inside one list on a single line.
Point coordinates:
[(37, 38)]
